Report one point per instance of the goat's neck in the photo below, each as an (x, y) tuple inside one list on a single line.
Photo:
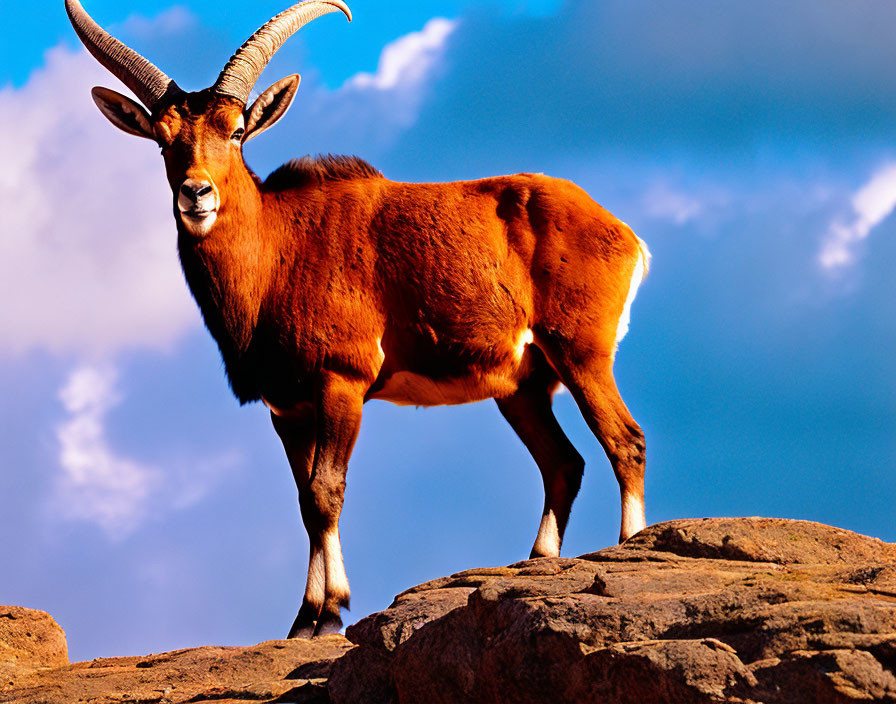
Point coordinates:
[(230, 270)]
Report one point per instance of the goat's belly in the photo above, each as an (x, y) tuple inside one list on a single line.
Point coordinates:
[(409, 389), (511, 361)]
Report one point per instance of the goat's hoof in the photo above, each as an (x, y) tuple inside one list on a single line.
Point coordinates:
[(303, 626), (302, 631), (328, 624)]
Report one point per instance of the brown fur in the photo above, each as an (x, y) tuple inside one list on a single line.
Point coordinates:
[(316, 170)]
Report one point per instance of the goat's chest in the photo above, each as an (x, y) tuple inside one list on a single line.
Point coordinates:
[(284, 364)]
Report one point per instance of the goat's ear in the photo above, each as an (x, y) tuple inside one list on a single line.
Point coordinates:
[(270, 106), (123, 112)]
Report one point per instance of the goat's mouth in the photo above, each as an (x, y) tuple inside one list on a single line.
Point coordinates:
[(197, 213), (197, 221)]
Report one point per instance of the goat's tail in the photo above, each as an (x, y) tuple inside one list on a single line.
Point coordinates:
[(645, 257)]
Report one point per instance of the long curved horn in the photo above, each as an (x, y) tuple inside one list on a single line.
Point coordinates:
[(245, 66), (147, 82)]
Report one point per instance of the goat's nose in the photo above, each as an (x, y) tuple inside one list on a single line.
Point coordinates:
[(194, 190)]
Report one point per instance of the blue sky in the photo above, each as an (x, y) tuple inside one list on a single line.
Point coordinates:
[(750, 144)]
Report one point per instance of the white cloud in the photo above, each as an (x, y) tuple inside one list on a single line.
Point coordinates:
[(405, 67), (171, 21), (191, 480), (97, 485), (370, 111), (665, 203), (101, 486), (408, 59), (700, 206), (88, 261), (871, 204)]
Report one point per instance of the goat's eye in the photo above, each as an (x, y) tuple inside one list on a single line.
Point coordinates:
[(238, 134)]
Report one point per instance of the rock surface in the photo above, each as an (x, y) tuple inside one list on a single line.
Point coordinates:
[(29, 640), (712, 610), (275, 671)]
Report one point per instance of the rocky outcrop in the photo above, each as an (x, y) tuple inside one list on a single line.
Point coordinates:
[(713, 610), (29, 640), (275, 671)]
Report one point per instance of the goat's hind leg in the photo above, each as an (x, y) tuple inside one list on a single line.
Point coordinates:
[(530, 415), (591, 383)]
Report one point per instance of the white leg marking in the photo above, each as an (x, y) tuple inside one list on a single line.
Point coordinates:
[(547, 542), (637, 278), (526, 338), (337, 582), (315, 587), (633, 520)]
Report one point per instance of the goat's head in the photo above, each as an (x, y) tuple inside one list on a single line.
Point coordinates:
[(201, 134)]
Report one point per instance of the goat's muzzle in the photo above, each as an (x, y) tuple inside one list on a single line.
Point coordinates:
[(198, 204)]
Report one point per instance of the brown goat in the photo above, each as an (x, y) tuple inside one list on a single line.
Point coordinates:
[(327, 285)]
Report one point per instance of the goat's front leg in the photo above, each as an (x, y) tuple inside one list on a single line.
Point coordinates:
[(298, 432), (337, 419)]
